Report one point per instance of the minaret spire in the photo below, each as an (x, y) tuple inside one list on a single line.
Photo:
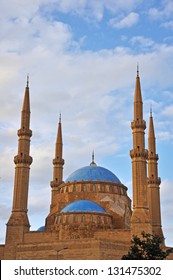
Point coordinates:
[(137, 70), (153, 182), (138, 104), (58, 163), (151, 112), (18, 222), (27, 83), (140, 218)]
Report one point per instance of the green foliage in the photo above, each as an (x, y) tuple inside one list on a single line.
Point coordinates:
[(148, 247)]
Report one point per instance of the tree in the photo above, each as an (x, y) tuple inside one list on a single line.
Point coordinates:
[(149, 247)]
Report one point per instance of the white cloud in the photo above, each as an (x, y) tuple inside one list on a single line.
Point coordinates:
[(154, 13), (93, 9), (168, 111), (162, 12), (168, 24), (142, 41), (34, 34), (85, 8), (127, 21)]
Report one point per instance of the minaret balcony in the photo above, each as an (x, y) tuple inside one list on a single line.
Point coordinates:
[(24, 132), (137, 153), (58, 161), (152, 156), (23, 158), (55, 184), (154, 181), (138, 124)]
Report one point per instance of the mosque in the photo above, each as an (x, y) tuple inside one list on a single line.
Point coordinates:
[(91, 216)]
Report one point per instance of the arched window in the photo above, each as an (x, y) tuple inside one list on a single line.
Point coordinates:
[(67, 219), (75, 218), (98, 219), (83, 219)]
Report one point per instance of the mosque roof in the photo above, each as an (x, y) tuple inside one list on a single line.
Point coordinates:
[(83, 206), (93, 173)]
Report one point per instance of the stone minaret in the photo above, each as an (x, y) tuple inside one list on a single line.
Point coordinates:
[(153, 182), (18, 222), (140, 220), (58, 163)]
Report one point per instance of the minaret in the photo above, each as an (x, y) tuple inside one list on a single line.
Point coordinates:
[(58, 163), (18, 222), (153, 182), (140, 220)]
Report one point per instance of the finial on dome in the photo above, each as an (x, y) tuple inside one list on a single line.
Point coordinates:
[(93, 163), (93, 156)]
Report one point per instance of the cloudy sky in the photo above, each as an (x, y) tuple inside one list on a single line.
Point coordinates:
[(81, 56)]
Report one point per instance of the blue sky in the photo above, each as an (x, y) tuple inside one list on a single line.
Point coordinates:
[(81, 57)]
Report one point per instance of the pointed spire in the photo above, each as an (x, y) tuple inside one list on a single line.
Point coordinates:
[(26, 102), (93, 163), (58, 150), (59, 134), (138, 95), (151, 135), (138, 104), (25, 115)]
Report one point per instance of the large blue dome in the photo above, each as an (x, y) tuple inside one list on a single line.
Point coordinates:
[(92, 173), (83, 206)]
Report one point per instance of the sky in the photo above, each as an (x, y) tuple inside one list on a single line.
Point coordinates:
[(81, 57)]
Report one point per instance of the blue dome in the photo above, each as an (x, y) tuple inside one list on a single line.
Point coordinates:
[(93, 173), (83, 206), (41, 228)]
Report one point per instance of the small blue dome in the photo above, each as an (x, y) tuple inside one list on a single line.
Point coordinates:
[(93, 173), (41, 228), (83, 206)]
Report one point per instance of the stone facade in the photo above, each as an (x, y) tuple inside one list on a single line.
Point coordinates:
[(104, 229)]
